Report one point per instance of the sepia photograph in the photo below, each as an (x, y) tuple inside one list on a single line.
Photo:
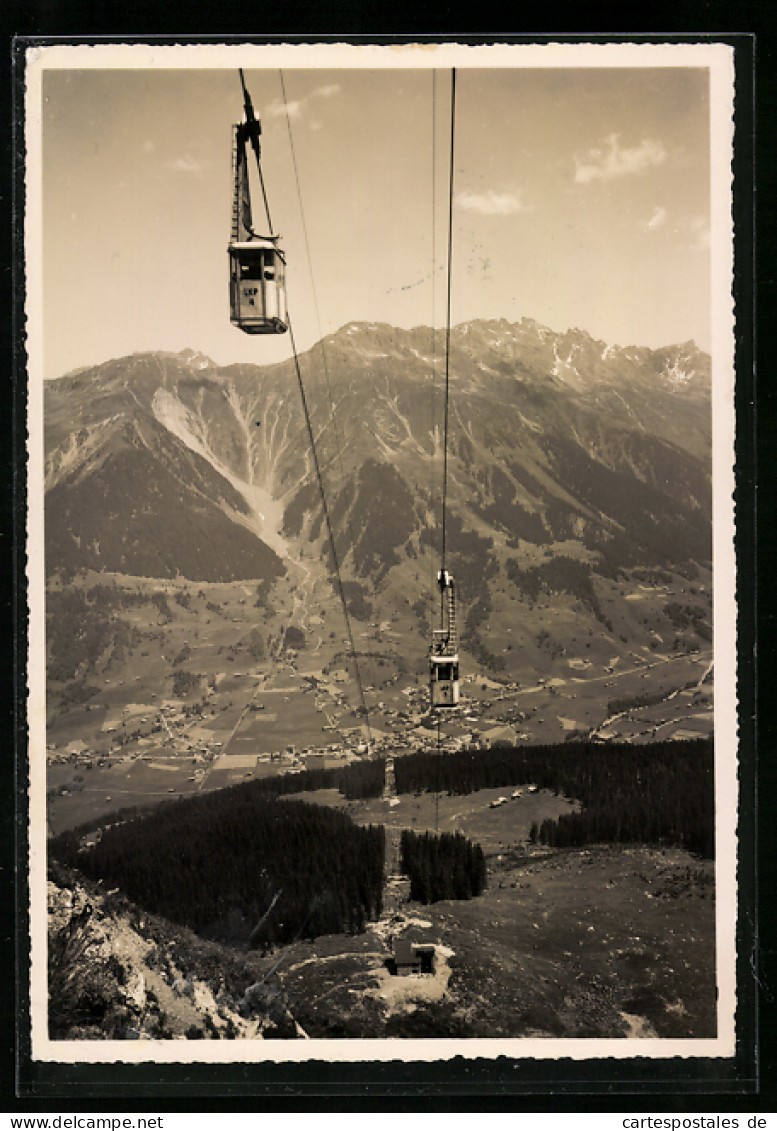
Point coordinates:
[(382, 647)]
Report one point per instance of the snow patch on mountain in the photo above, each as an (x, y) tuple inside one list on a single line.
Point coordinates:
[(676, 373), (196, 360), (79, 452), (392, 403), (629, 410), (422, 356), (534, 425), (385, 449), (565, 369)]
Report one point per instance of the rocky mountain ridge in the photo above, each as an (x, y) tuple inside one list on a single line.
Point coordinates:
[(574, 468), (230, 443)]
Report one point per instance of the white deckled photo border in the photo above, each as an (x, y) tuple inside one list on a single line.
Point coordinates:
[(718, 58)]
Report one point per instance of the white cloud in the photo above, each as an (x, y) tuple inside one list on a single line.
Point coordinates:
[(490, 203), (657, 219), (279, 109), (605, 163), (184, 165), (297, 106)]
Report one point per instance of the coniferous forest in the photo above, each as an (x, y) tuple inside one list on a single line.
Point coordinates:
[(355, 780), (655, 793), (442, 867), (238, 866)]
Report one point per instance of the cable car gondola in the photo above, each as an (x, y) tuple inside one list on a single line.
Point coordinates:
[(257, 286), (257, 266), (444, 654)]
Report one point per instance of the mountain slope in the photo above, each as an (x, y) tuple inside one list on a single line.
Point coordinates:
[(559, 448)]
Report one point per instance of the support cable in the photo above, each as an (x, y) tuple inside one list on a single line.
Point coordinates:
[(266, 205), (332, 415), (330, 532), (443, 589), (433, 341), (437, 782), (448, 318), (251, 131)]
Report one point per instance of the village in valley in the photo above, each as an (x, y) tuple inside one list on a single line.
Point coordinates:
[(155, 729)]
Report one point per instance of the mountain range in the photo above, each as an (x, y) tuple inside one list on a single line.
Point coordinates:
[(573, 467)]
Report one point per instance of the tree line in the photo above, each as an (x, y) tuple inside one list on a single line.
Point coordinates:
[(657, 793), (558, 575), (442, 867), (241, 867), (83, 627), (355, 781)]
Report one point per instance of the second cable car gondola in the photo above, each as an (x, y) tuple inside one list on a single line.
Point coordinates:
[(257, 266), (444, 653)]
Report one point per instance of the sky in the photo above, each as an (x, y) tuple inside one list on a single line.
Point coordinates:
[(581, 198)]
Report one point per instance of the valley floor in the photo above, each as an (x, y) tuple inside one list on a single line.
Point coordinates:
[(131, 745)]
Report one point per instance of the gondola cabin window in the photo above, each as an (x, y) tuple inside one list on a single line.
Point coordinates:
[(257, 287), (444, 680)]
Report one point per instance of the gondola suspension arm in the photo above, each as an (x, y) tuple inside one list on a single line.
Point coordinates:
[(257, 264), (252, 129)]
